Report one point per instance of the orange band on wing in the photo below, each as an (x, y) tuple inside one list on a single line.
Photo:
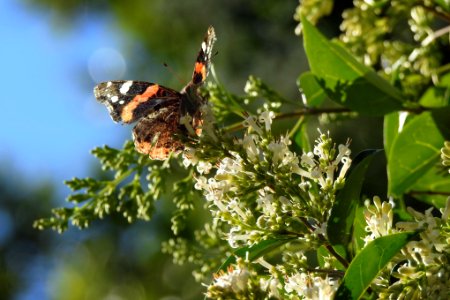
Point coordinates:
[(200, 68), (127, 111)]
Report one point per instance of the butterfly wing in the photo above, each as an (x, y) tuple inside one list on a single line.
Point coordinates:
[(154, 134), (128, 101), (201, 67)]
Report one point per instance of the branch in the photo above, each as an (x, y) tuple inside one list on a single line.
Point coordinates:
[(327, 245), (429, 193), (299, 113)]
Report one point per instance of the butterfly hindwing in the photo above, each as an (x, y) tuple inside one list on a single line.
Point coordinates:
[(128, 101), (154, 134)]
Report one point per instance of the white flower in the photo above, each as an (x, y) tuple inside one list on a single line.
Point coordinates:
[(186, 122), (208, 121), (379, 218), (430, 225), (189, 157), (278, 150), (250, 122), (203, 167), (307, 159), (346, 165), (249, 89), (234, 279), (343, 151), (248, 142), (234, 206), (235, 237), (230, 166), (321, 165), (266, 117), (265, 201), (310, 287), (271, 285), (201, 183)]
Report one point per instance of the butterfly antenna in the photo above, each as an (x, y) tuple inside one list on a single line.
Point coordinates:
[(173, 73)]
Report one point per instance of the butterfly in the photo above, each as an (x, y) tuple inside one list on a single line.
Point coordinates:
[(158, 109)]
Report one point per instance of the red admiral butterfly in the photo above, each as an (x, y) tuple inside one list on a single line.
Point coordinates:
[(158, 109)]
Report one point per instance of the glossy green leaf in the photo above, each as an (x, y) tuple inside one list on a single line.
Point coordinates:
[(436, 97), (312, 90), (253, 252), (428, 187), (346, 80), (390, 130), (359, 229), (414, 152), (340, 223), (368, 263)]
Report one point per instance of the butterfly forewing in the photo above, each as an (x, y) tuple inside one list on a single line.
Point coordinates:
[(128, 101), (203, 58)]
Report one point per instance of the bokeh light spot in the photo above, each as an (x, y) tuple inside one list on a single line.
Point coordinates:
[(106, 64)]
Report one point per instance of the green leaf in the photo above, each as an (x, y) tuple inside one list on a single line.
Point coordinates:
[(436, 97), (413, 152), (322, 252), (346, 80), (253, 252), (312, 90), (368, 263), (340, 223), (390, 130), (439, 95), (441, 117), (428, 187), (359, 229), (302, 138)]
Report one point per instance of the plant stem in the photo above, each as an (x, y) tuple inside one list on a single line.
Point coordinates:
[(330, 248), (429, 193)]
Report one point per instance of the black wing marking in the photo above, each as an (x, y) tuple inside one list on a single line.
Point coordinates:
[(128, 101), (201, 67)]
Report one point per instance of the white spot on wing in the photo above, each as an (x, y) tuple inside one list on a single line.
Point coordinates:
[(204, 46), (121, 102), (114, 99), (126, 87), (109, 84)]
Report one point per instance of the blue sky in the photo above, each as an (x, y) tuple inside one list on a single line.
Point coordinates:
[(50, 117)]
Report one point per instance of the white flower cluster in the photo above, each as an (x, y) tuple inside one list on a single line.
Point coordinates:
[(322, 165), (260, 189), (423, 271), (379, 218), (261, 186), (234, 279), (311, 287), (236, 283)]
